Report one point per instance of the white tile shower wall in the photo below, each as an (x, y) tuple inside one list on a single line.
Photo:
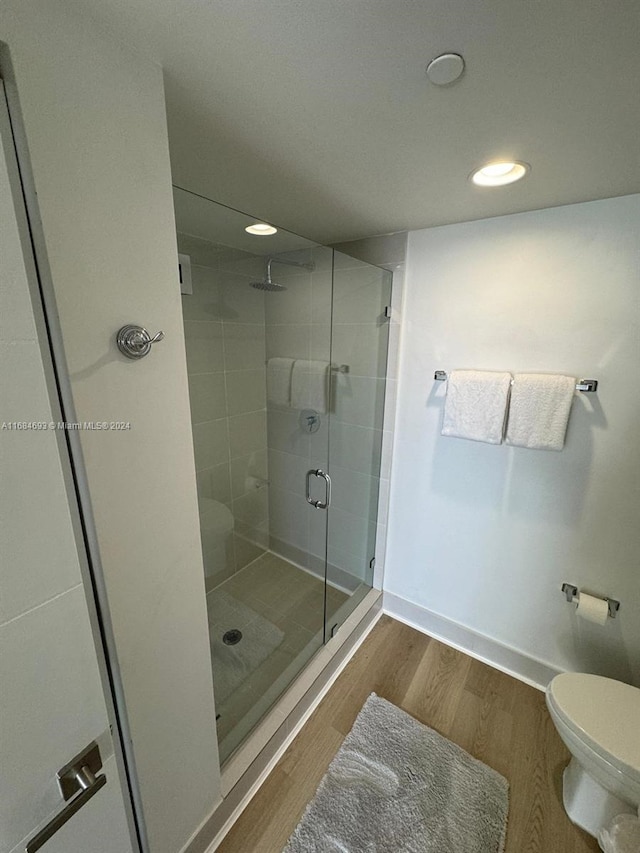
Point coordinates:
[(224, 322), (486, 535)]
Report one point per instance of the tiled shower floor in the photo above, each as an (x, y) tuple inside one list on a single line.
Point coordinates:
[(293, 601)]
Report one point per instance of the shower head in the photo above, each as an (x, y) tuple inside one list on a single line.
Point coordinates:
[(268, 285), (271, 286)]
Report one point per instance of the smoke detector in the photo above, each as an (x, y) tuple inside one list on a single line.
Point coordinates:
[(445, 69)]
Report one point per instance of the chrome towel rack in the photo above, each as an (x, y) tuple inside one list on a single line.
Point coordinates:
[(335, 368), (587, 386)]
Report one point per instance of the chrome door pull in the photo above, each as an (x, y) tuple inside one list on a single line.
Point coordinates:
[(311, 473), (78, 783), (318, 472), (327, 479)]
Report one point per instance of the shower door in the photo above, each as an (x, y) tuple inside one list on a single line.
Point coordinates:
[(257, 323), (325, 450), (286, 346), (361, 300)]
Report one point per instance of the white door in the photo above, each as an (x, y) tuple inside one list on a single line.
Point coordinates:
[(52, 703)]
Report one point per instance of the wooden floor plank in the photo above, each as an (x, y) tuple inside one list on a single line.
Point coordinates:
[(496, 718), (385, 664), (435, 691)]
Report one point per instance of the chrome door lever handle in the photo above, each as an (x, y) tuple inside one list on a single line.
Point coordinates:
[(78, 783), (62, 817)]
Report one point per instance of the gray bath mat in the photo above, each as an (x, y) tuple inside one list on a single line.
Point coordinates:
[(234, 664), (396, 786)]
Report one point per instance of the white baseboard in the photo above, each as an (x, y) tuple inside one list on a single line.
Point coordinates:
[(482, 648)]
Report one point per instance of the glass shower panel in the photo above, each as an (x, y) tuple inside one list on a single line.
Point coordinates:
[(257, 320), (298, 333), (360, 339)]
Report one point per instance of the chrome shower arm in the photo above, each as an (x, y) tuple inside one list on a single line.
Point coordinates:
[(311, 266)]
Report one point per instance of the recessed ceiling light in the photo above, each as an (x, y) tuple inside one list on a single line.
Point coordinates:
[(499, 174), (261, 228)]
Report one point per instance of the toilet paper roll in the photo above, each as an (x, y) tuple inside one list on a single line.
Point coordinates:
[(592, 609)]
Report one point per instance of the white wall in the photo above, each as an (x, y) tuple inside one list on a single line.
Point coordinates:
[(51, 702), (95, 126), (485, 535)]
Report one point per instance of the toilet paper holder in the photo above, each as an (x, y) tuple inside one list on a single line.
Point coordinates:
[(571, 593)]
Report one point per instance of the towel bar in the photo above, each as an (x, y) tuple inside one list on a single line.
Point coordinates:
[(585, 385), (336, 368)]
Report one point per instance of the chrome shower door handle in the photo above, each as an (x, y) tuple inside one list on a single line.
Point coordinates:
[(318, 472), (311, 473), (327, 480)]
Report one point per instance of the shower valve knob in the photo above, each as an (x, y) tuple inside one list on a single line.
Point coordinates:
[(135, 341)]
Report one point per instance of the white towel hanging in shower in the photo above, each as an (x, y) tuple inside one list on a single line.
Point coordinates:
[(279, 381), (310, 385)]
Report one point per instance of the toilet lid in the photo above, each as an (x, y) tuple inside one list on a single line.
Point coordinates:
[(215, 517), (604, 712)]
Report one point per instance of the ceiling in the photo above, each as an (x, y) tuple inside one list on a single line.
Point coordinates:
[(317, 115)]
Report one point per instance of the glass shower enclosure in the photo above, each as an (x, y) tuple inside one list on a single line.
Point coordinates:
[(286, 344)]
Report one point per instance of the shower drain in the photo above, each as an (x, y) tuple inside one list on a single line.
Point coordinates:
[(232, 637)]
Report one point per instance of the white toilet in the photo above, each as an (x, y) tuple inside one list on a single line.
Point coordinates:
[(599, 721), (216, 528)]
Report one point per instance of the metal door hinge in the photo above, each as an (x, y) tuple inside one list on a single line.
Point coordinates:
[(184, 274)]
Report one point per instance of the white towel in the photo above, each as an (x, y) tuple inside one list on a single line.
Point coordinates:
[(310, 385), (539, 410), (279, 381), (476, 405)]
